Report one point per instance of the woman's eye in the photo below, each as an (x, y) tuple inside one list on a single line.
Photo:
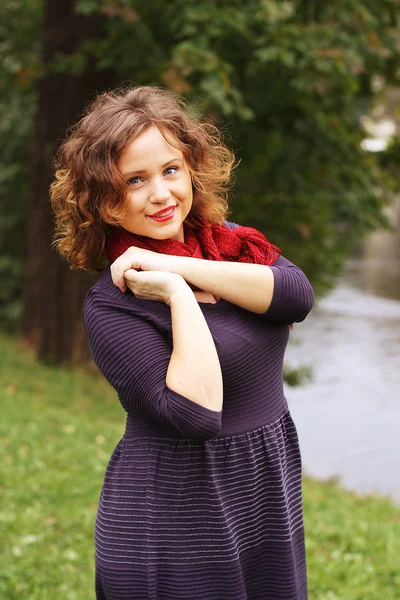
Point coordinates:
[(136, 180), (133, 181), (170, 170)]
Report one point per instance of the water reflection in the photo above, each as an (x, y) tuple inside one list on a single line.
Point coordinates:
[(379, 271), (348, 417)]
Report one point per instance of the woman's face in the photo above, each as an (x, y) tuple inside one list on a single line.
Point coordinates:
[(160, 188)]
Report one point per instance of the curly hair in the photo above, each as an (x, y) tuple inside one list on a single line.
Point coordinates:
[(88, 194)]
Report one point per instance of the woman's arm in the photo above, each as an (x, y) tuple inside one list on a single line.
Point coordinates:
[(246, 285), (178, 385), (194, 370), (282, 292)]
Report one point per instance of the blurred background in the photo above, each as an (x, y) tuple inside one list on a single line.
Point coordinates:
[(308, 96)]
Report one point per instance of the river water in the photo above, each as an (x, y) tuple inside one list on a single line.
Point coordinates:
[(348, 416)]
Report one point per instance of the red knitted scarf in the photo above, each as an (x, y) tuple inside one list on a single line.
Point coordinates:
[(242, 244)]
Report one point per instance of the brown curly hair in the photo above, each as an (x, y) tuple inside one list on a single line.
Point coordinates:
[(88, 194)]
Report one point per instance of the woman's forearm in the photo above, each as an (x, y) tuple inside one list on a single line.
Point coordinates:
[(194, 370), (247, 285)]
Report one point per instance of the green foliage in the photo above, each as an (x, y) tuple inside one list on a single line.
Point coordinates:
[(288, 81), (292, 79), (297, 376), (57, 431), (19, 48)]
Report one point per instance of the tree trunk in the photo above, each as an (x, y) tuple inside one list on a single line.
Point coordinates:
[(53, 294)]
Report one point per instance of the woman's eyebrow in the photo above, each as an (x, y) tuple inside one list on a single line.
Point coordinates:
[(141, 171)]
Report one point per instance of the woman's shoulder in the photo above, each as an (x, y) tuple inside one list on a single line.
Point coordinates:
[(104, 292), (230, 225), (104, 285), (105, 300)]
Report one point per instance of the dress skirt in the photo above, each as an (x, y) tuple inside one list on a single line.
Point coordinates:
[(214, 520)]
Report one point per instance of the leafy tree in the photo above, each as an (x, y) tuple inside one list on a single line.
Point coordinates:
[(288, 80), (291, 80), (53, 295), (20, 24)]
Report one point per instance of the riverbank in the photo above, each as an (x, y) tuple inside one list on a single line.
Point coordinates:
[(57, 431)]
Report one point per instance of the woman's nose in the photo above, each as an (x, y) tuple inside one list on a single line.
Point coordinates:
[(159, 191)]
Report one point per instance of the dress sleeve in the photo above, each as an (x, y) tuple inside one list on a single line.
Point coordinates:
[(293, 296), (134, 355)]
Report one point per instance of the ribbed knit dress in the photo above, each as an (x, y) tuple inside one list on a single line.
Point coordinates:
[(199, 504)]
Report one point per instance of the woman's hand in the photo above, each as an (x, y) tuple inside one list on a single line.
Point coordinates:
[(155, 285), (139, 259)]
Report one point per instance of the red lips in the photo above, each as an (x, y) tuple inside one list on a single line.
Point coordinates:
[(164, 210)]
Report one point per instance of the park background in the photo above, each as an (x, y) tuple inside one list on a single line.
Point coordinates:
[(307, 93)]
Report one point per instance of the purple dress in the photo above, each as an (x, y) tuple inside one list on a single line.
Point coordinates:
[(199, 504)]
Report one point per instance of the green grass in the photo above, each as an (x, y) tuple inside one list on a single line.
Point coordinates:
[(57, 430)]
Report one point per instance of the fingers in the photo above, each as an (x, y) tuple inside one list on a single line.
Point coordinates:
[(153, 285), (118, 270), (139, 284), (118, 278), (130, 259), (132, 275), (133, 258)]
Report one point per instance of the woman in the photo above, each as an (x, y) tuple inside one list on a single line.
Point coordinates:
[(202, 496)]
